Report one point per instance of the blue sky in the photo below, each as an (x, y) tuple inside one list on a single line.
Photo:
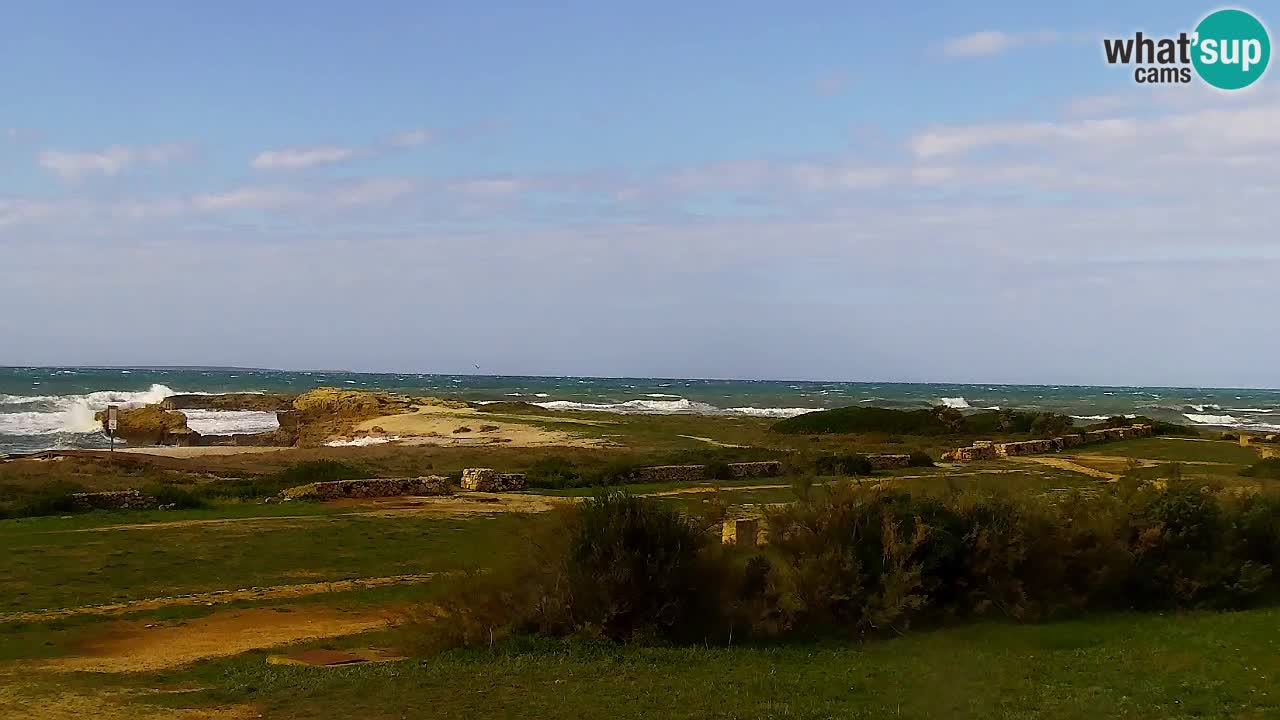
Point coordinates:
[(942, 192)]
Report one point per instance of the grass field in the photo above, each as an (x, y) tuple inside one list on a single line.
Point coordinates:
[(1125, 666)]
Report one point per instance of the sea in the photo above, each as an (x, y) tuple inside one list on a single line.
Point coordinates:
[(45, 408)]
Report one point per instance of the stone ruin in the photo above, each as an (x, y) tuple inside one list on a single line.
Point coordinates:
[(889, 462), (112, 500), (988, 450), (490, 480), (372, 488), (698, 473), (745, 532), (765, 468)]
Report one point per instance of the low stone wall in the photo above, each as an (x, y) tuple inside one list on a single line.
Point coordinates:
[(372, 488), (671, 473), (971, 453), (889, 462), (112, 500), (1026, 447), (766, 468), (490, 480), (987, 450)]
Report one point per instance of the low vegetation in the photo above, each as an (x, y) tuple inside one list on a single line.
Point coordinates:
[(935, 421), (1268, 469), (856, 561)]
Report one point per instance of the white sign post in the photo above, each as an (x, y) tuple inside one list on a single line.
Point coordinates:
[(113, 424)]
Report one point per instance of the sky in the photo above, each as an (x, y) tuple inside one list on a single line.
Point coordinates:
[(949, 192)]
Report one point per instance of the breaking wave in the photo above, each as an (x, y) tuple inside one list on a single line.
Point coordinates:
[(363, 441), (231, 422), (957, 403), (679, 406), (72, 414)]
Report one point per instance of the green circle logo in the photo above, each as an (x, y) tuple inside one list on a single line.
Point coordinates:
[(1232, 49)]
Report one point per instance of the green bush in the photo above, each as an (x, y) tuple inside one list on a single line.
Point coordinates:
[(935, 421), (839, 464), (176, 498), (920, 458), (1268, 469), (859, 559), (635, 569), (310, 471), (52, 498)]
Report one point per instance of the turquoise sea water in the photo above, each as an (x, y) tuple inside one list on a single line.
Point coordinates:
[(53, 407)]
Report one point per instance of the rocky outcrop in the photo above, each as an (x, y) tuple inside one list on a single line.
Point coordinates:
[(987, 450), (765, 468), (372, 488), (151, 425), (490, 480), (262, 402), (112, 500), (326, 412)]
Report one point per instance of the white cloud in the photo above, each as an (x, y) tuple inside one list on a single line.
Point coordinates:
[(110, 161), (994, 42), (249, 198), (301, 158)]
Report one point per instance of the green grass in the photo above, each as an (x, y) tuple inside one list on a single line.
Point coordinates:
[(66, 569), (1174, 449), (1124, 666)]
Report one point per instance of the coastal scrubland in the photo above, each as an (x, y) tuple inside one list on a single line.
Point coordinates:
[(1127, 579)]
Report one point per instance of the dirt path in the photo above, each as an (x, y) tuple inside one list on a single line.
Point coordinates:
[(711, 441), (220, 597), (22, 696), (1064, 464), (131, 646)]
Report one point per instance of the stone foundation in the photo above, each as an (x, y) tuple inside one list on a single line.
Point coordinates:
[(373, 488), (490, 480), (113, 500), (671, 473), (889, 462), (767, 468), (987, 450)]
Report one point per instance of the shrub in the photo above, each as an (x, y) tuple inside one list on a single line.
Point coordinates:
[(176, 498), (920, 458), (310, 471), (634, 568), (842, 465), (719, 470), (1268, 469), (52, 498), (552, 472), (857, 559)]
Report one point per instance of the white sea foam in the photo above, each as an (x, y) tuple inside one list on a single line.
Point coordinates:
[(230, 422), (1199, 419), (363, 441), (72, 413), (771, 412), (664, 395), (957, 403), (1089, 418), (680, 406)]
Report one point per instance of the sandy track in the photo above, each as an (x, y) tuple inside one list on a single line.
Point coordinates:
[(219, 597), (131, 646), (1064, 464)]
